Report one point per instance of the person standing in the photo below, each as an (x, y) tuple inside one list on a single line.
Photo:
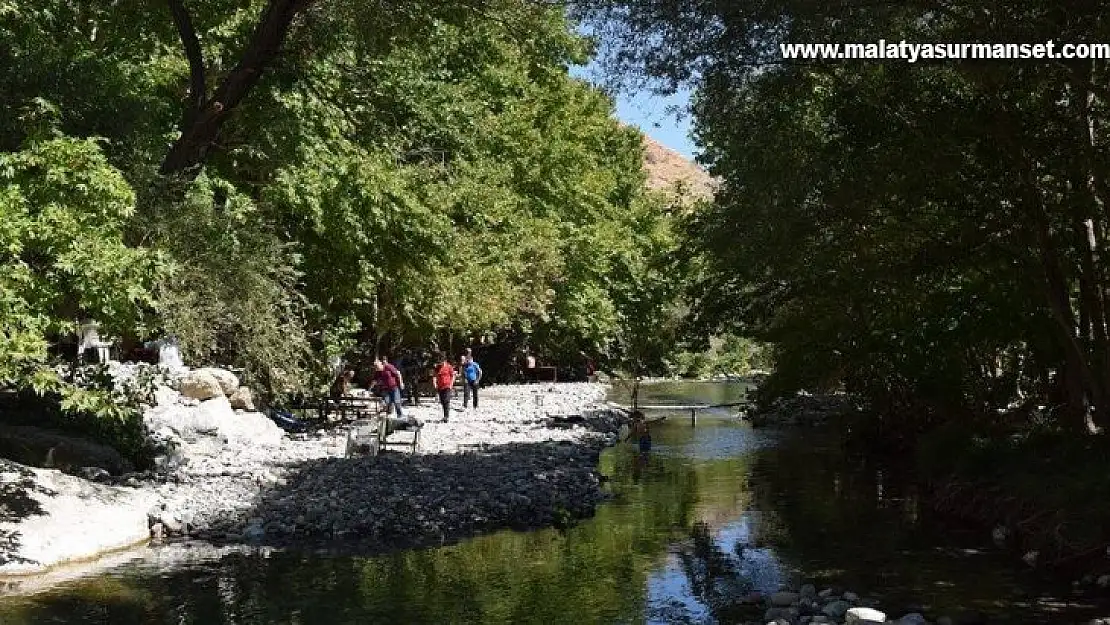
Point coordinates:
[(342, 384), (445, 383), (472, 376), (389, 382)]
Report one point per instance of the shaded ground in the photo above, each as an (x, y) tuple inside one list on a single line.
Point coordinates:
[(17, 482), (398, 500)]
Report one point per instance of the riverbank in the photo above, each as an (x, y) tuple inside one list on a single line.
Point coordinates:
[(1036, 494), (233, 478)]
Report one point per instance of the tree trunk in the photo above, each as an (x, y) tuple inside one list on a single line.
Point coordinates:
[(204, 116)]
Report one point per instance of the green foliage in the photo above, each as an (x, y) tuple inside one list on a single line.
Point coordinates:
[(419, 173), (231, 295), (928, 235), (62, 214), (727, 355)]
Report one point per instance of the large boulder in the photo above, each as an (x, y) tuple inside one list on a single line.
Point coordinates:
[(252, 428), (214, 417), (189, 421), (242, 399), (228, 381), (64, 518), (200, 385)]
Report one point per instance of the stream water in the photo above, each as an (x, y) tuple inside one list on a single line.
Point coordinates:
[(713, 512)]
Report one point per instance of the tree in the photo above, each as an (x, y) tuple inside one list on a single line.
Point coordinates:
[(927, 234)]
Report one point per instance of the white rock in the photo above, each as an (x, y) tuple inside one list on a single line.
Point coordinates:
[(251, 428), (865, 616), (166, 396), (228, 381), (75, 519), (242, 399), (185, 421), (200, 385)]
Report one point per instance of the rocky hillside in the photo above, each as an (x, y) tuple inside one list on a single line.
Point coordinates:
[(667, 168)]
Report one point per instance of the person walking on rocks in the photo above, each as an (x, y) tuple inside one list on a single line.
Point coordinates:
[(445, 383), (472, 376), (389, 382)]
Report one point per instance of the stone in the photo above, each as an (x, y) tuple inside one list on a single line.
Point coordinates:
[(95, 474), (251, 428), (775, 614), (784, 599), (76, 519), (836, 609), (851, 597), (200, 385), (808, 591), (865, 616), (913, 618), (229, 382), (242, 399), (1103, 581)]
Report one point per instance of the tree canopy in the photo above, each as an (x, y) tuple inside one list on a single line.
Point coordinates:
[(276, 182), (930, 235)]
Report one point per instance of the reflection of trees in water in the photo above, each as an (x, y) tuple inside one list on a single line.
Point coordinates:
[(827, 507), (594, 572), (716, 578)]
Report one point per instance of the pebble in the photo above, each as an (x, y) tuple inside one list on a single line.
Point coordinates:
[(532, 471)]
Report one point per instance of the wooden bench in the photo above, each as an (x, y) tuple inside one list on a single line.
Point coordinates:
[(542, 374)]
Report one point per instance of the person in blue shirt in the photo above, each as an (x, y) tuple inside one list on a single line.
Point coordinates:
[(472, 376)]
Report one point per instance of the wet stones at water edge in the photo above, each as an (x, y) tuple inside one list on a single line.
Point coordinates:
[(401, 500), (808, 606)]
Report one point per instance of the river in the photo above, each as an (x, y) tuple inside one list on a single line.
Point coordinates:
[(713, 512)]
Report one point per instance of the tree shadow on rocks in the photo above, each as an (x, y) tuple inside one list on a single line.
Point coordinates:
[(394, 500), (17, 482)]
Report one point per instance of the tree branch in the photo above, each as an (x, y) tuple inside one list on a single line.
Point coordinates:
[(198, 91), (190, 150)]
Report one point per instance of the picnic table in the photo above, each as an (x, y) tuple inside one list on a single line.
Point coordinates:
[(348, 407)]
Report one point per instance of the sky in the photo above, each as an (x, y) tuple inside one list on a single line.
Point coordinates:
[(651, 114)]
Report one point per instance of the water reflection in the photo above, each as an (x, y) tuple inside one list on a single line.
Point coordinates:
[(712, 513)]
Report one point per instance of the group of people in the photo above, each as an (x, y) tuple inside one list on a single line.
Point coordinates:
[(389, 383), (446, 374)]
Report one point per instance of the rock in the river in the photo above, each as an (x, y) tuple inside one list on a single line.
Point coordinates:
[(228, 380), (200, 384), (913, 618), (865, 616), (242, 399), (836, 609), (784, 599)]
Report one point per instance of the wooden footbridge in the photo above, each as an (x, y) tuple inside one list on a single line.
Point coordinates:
[(691, 408)]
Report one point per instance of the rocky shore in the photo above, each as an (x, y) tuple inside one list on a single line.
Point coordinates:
[(230, 475), (807, 606), (804, 410)]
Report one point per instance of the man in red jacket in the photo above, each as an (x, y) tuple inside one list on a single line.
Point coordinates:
[(389, 383), (445, 383)]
